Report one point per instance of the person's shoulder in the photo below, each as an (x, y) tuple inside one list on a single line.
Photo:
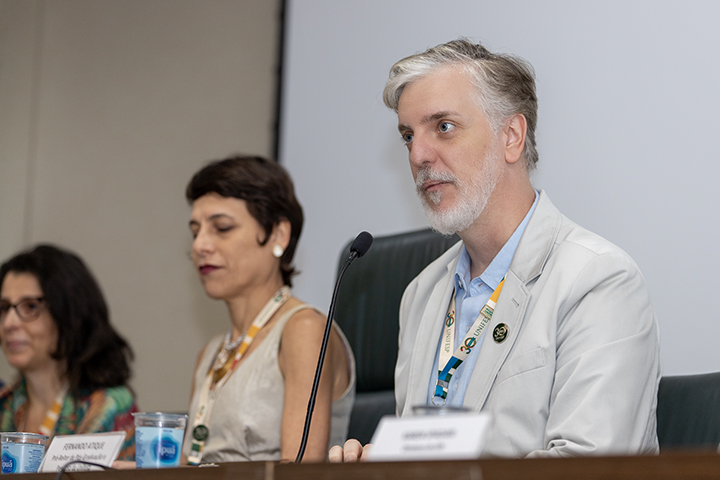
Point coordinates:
[(570, 237), (120, 393), (119, 398), (555, 245), (105, 409), (584, 261), (577, 240), (301, 332), (304, 316)]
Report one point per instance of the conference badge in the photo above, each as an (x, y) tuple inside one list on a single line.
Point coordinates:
[(500, 332)]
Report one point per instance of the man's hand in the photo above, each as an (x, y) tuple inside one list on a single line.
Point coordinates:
[(351, 452)]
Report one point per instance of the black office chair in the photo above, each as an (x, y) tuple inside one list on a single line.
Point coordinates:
[(367, 311), (688, 412)]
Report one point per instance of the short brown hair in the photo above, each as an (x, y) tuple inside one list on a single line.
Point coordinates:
[(266, 188)]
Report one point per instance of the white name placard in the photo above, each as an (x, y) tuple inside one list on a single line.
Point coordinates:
[(436, 437), (100, 448)]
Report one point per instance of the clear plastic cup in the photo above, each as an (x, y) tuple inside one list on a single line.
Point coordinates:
[(22, 452), (158, 439)]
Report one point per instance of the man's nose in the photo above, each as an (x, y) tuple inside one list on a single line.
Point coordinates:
[(421, 152)]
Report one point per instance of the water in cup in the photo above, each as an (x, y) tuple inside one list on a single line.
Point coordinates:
[(158, 439), (22, 452)]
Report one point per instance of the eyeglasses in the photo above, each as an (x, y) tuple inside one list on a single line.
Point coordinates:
[(27, 309)]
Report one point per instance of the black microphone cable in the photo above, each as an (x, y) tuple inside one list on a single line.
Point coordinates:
[(62, 470)]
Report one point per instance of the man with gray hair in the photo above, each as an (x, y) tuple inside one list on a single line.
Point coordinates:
[(541, 323)]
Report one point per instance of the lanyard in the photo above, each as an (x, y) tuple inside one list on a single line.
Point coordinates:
[(452, 361), (210, 388), (51, 418)]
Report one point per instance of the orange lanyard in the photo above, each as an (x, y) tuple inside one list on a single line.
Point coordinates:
[(210, 389)]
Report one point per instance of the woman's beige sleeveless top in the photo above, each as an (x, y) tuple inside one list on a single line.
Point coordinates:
[(244, 424)]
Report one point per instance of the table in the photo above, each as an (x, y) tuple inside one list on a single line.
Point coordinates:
[(666, 466)]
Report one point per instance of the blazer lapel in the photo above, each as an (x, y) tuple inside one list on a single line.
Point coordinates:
[(509, 311), (527, 264)]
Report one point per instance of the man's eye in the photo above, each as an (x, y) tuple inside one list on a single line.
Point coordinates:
[(446, 127), (407, 137), (224, 229)]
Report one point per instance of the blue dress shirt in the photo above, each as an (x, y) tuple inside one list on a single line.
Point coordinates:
[(470, 296)]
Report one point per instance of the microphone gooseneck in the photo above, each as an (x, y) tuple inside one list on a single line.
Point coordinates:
[(359, 247)]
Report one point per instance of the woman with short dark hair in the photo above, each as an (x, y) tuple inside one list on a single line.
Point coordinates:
[(55, 330), (252, 385)]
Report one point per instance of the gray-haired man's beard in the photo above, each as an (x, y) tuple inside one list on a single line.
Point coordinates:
[(472, 197)]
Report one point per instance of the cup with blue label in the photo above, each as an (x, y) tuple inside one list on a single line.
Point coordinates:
[(22, 452), (158, 439)]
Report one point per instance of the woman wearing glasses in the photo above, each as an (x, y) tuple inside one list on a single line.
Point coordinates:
[(73, 366)]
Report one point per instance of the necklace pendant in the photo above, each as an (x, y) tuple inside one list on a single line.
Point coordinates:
[(221, 359)]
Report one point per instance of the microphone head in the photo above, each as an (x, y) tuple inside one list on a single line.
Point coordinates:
[(361, 244)]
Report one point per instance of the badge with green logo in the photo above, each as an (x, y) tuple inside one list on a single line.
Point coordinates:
[(200, 433), (500, 333)]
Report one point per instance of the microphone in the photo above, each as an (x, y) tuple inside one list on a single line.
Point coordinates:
[(361, 244), (359, 247)]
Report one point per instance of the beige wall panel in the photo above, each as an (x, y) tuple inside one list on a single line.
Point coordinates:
[(18, 29), (134, 97), (17, 44)]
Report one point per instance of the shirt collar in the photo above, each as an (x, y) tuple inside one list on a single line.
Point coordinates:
[(495, 272)]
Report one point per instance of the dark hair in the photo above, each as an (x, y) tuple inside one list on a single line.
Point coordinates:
[(266, 188), (95, 354)]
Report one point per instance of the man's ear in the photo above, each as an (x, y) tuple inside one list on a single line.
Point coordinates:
[(515, 132)]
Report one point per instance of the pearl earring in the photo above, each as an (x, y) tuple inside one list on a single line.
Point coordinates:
[(278, 251)]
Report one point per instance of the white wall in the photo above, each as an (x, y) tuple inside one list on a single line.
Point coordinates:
[(627, 133)]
